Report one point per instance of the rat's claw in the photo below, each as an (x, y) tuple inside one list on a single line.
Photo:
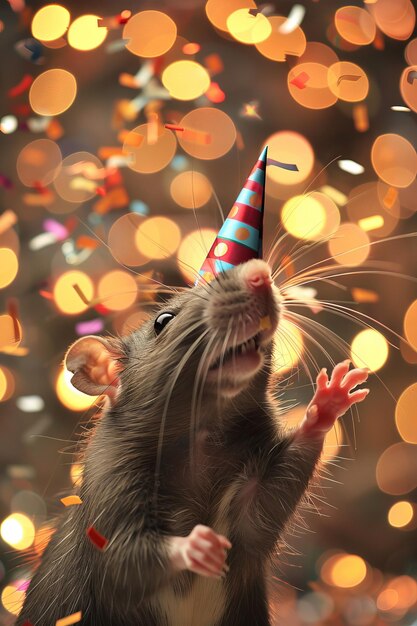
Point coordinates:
[(355, 377), (339, 372), (322, 379), (357, 396)]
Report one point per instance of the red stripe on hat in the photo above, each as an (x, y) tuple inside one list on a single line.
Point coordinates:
[(253, 186), (236, 252), (260, 165), (247, 215)]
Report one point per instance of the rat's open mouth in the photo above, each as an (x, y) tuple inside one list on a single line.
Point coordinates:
[(243, 354)]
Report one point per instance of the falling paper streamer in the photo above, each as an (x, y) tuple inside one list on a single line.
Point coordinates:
[(74, 618), (21, 87), (96, 538), (71, 500), (285, 166), (293, 20), (352, 167)]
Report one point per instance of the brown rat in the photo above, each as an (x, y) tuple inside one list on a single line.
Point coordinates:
[(188, 474)]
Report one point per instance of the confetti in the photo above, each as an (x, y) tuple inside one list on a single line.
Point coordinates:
[(215, 94), (196, 136), (352, 167), (96, 538), (21, 87), (398, 107), (250, 110), (7, 219), (351, 77), (79, 291), (338, 196), (293, 20), (5, 182), (285, 166), (83, 241), (58, 229), (89, 327), (70, 619), (411, 76), (301, 80), (390, 197), (116, 198), (214, 64), (42, 241), (174, 127), (364, 295), (30, 49), (27, 623), (372, 222), (71, 500), (360, 117), (139, 207)]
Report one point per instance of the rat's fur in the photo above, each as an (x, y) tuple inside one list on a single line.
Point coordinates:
[(173, 452)]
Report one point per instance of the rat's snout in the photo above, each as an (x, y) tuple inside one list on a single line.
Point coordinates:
[(257, 276)]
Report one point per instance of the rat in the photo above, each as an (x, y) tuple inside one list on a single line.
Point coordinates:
[(188, 475)]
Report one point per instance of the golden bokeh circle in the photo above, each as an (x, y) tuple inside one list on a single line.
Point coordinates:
[(149, 155), (185, 80), (39, 162), (405, 414), (191, 190), (410, 52), (85, 34), (278, 45), (69, 396), (410, 325), (150, 34), (192, 252), (71, 184), (347, 571), (53, 92), (394, 159), (18, 531), (158, 237), (50, 22), (70, 300), (248, 29), (121, 240), (291, 148), (408, 84), (308, 85), (396, 470), (317, 52), (117, 290), (208, 133), (7, 331), (369, 349), (400, 514), (303, 217), (12, 599), (348, 81), (7, 382), (350, 245), (355, 25), (9, 266), (218, 11), (395, 19)]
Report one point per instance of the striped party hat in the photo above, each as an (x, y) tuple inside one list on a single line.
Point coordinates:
[(240, 237)]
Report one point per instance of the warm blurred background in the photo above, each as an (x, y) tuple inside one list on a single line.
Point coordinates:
[(101, 202)]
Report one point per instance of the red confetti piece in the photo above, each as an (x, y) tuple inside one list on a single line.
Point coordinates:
[(46, 294), (96, 538), (101, 309), (174, 127), (87, 242), (101, 191), (300, 80), (27, 623), (21, 109), (21, 87), (40, 188)]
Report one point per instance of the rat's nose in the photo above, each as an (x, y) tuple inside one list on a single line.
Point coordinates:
[(259, 278)]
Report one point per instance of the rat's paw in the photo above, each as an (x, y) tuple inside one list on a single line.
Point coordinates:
[(333, 398), (202, 552)]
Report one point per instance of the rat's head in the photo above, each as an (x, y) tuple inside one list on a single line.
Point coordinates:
[(215, 335)]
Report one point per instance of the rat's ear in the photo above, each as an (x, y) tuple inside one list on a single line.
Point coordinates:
[(93, 360)]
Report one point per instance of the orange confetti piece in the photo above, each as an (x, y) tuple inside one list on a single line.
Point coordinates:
[(7, 220), (364, 295), (214, 64), (97, 538), (129, 138), (197, 136), (46, 294), (128, 80), (84, 241), (70, 500), (79, 291), (116, 198), (105, 152), (390, 197), (54, 130), (360, 117), (69, 619)]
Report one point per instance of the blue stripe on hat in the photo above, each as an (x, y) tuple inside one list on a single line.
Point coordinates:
[(229, 228), (222, 266), (245, 198), (258, 176)]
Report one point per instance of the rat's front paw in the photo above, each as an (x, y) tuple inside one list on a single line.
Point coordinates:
[(333, 398), (202, 552)]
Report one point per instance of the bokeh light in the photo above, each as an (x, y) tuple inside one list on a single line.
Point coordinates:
[(394, 159), (410, 324), (347, 571), (278, 44), (12, 599), (407, 86), (117, 290), (70, 397), (149, 155), (218, 11), (303, 217), (39, 161), (367, 205), (122, 242), (395, 19), (209, 133), (158, 237), (73, 300), (7, 384), (288, 347), (400, 514), (350, 245), (396, 470), (191, 190), (308, 85), (405, 414), (317, 52), (53, 92), (9, 266), (355, 25), (73, 182), (348, 81), (192, 252), (369, 349), (247, 28), (85, 33), (76, 472), (186, 80), (8, 331), (50, 22), (150, 34), (18, 531), (290, 148)]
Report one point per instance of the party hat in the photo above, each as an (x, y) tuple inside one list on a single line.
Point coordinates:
[(240, 237)]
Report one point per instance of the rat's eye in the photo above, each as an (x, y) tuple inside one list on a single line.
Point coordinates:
[(162, 320)]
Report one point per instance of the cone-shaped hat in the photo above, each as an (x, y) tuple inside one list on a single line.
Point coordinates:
[(240, 237)]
